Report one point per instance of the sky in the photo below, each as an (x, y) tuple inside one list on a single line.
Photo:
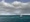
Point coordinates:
[(17, 0), (17, 7)]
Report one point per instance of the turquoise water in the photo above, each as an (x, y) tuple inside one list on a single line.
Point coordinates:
[(14, 18), (9, 18)]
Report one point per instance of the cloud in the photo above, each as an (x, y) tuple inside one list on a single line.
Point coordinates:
[(24, 8), (16, 4), (14, 8), (5, 8)]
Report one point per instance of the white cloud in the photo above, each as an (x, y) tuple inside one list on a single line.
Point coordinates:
[(14, 8), (4, 7), (16, 3), (23, 7)]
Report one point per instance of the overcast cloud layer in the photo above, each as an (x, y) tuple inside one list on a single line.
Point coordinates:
[(14, 8)]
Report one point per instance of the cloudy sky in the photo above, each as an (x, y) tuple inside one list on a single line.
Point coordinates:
[(17, 0), (14, 7)]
